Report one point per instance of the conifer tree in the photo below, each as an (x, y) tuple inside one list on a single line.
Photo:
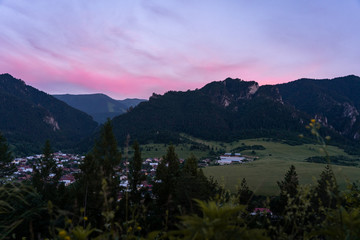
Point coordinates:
[(135, 174), (7, 168), (100, 164), (46, 174), (244, 193), (290, 183), (326, 191), (107, 154), (288, 188), (166, 176), (191, 166), (192, 184)]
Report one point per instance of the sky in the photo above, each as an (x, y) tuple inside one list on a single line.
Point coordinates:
[(133, 48)]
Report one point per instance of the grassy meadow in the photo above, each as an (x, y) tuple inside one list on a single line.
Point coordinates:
[(270, 167), (274, 162), (262, 175)]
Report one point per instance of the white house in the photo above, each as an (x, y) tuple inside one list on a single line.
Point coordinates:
[(228, 158)]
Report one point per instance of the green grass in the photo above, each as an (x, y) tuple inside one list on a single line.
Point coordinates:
[(274, 150), (279, 151), (262, 175), (182, 150)]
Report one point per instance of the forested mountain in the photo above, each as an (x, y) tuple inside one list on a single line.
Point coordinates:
[(234, 109), (99, 106), (335, 103), (29, 117), (223, 111)]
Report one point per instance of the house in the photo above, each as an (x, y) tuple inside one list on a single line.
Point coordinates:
[(67, 179), (261, 212), (25, 169), (124, 183), (229, 158)]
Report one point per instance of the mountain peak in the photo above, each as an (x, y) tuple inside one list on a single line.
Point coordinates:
[(230, 90), (30, 116), (6, 77)]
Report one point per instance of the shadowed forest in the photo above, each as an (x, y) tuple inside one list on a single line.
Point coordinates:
[(182, 202)]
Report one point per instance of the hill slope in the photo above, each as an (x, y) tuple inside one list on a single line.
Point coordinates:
[(235, 109), (29, 117), (335, 103), (99, 106), (223, 111)]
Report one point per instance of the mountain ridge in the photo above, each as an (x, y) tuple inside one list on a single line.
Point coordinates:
[(233, 109), (98, 105), (226, 110), (29, 117)]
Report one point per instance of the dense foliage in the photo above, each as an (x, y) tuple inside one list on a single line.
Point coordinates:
[(231, 109), (29, 117), (7, 168), (337, 160), (184, 205), (194, 113), (335, 102), (46, 175)]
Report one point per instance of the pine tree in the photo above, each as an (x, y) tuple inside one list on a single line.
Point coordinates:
[(46, 174), (7, 168), (135, 174), (192, 184), (107, 154), (290, 183), (326, 191), (100, 165), (166, 179), (166, 176), (191, 166), (244, 193), (288, 188)]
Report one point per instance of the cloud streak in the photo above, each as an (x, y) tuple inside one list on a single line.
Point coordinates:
[(135, 48)]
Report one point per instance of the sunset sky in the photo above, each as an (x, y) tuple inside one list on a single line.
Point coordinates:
[(132, 48)]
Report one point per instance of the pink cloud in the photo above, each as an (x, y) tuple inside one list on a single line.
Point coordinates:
[(130, 49)]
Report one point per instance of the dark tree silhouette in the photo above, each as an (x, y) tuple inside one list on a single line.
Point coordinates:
[(326, 191), (7, 168), (46, 174), (135, 175), (244, 193), (98, 170)]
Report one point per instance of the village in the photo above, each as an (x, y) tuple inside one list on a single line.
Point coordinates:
[(69, 163)]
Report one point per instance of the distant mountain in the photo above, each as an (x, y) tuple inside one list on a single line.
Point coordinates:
[(235, 109), (99, 106), (29, 117), (131, 102)]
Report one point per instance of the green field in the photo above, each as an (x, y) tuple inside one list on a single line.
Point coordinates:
[(271, 166), (262, 175), (182, 150), (274, 162)]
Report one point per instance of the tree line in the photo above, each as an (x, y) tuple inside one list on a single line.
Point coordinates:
[(182, 203)]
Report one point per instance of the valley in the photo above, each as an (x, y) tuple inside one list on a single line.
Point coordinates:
[(261, 122), (182, 136), (272, 163)]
